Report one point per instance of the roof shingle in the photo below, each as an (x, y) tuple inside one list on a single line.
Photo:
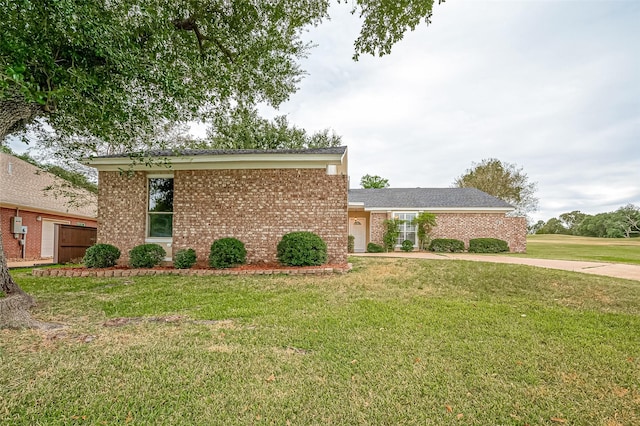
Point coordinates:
[(426, 198)]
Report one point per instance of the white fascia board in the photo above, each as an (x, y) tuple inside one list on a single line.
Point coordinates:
[(38, 210), (441, 209), (218, 162), (355, 204)]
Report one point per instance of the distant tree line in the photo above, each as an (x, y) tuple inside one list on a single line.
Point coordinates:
[(622, 223)]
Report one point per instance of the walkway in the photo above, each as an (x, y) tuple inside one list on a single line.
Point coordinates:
[(29, 263), (616, 270)]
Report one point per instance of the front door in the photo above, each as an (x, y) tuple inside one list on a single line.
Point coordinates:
[(358, 228)]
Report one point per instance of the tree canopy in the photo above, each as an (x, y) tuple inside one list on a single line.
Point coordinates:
[(502, 180), (373, 181), (244, 129), (621, 223), (111, 70)]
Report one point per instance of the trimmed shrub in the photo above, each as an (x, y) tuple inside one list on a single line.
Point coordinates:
[(374, 248), (351, 244), (487, 245), (101, 256), (407, 246), (302, 249), (146, 255), (184, 258), (446, 245), (226, 253)]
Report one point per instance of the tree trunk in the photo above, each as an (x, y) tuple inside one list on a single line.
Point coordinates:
[(14, 304), (15, 113)]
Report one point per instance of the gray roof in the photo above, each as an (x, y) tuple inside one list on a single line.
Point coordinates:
[(426, 198), (196, 152)]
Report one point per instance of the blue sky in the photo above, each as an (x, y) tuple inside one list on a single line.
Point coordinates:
[(551, 86)]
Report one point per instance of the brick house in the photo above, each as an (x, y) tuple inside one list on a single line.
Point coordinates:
[(199, 196), (461, 213), (25, 200)]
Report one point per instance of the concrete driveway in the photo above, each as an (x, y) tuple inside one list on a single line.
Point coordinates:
[(616, 270)]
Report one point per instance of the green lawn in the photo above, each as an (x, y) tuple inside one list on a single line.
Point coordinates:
[(567, 247), (395, 341)]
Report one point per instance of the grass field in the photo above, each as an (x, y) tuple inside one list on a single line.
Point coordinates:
[(395, 341), (568, 247)]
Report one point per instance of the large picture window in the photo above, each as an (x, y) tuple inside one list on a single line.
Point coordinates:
[(160, 207), (407, 230)]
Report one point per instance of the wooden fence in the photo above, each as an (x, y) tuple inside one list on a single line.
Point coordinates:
[(71, 242)]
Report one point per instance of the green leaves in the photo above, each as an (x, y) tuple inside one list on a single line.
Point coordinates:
[(502, 180), (385, 23), (111, 72), (373, 181)]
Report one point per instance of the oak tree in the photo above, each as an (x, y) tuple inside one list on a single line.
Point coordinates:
[(502, 180), (95, 73)]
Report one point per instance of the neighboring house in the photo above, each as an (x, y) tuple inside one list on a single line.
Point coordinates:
[(197, 197), (26, 201), (461, 213)]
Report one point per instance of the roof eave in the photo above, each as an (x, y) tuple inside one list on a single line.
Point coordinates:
[(228, 161), (52, 212), (440, 209)]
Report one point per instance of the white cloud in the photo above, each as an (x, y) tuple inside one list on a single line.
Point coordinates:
[(553, 87)]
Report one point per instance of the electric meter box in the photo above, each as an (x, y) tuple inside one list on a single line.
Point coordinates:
[(16, 225)]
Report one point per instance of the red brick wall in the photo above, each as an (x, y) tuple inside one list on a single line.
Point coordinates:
[(122, 210), (12, 247), (256, 206), (466, 226), (377, 227)]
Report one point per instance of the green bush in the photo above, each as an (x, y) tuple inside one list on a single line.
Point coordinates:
[(391, 233), (226, 253), (184, 258), (446, 245), (302, 249), (374, 248), (487, 245), (407, 246), (101, 256), (146, 255), (351, 244)]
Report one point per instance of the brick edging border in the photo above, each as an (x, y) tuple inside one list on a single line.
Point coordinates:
[(69, 273)]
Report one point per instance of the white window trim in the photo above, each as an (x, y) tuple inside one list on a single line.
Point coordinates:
[(415, 212), (149, 239)]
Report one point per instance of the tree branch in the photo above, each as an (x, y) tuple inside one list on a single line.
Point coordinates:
[(190, 24)]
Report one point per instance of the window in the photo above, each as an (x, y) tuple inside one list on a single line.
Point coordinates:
[(160, 207), (407, 230)]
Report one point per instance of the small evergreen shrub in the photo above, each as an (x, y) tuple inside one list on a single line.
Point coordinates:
[(101, 256), (407, 246), (184, 258), (146, 255), (351, 244), (302, 249), (446, 245), (226, 253), (374, 248), (487, 245)]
